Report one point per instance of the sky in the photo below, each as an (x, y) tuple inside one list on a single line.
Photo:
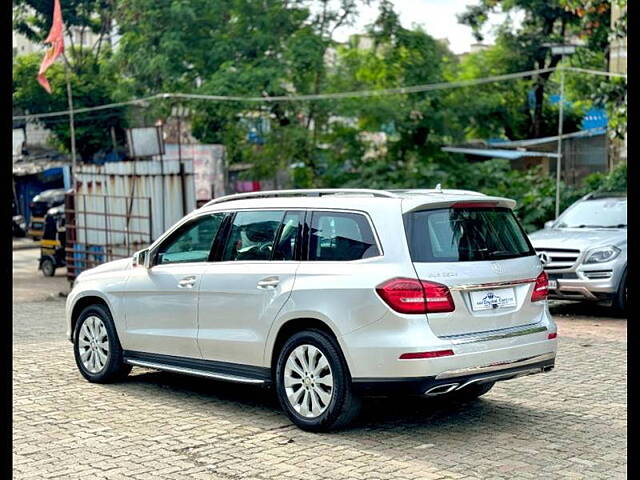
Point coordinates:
[(437, 17)]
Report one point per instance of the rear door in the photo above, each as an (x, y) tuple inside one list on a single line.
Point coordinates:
[(241, 294), (483, 255)]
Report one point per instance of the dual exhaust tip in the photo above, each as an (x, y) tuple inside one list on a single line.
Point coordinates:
[(450, 387), (441, 389)]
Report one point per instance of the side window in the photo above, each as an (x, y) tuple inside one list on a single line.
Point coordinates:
[(287, 241), (252, 235), (341, 236), (191, 242)]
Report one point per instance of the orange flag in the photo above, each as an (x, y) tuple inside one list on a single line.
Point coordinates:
[(56, 39)]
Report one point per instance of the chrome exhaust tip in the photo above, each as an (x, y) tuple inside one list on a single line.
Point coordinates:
[(441, 389)]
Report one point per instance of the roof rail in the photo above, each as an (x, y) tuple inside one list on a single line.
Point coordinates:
[(301, 193)]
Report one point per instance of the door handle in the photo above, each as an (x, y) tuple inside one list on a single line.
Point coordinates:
[(187, 282), (269, 282)]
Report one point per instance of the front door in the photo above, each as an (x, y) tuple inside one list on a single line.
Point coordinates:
[(161, 301), (242, 293)]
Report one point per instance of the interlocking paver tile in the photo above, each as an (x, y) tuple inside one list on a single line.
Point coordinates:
[(570, 423)]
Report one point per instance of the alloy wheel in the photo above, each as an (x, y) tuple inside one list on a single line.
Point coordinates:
[(93, 344), (308, 381)]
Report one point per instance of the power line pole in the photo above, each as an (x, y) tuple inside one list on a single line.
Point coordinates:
[(72, 126), (559, 157), (562, 50)]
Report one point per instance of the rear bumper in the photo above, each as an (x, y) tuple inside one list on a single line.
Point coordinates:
[(453, 380)]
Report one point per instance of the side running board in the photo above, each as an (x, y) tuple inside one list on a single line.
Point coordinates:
[(229, 372)]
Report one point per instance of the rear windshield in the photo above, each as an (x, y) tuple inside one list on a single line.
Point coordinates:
[(465, 234)]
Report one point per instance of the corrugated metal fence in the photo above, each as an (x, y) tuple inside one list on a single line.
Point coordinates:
[(122, 207)]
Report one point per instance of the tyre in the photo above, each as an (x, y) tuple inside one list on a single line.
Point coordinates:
[(313, 383), (96, 346), (48, 267), (472, 392), (620, 300)]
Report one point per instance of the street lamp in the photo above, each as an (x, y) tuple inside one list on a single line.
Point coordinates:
[(562, 50)]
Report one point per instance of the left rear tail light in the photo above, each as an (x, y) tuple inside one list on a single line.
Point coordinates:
[(407, 295), (541, 287)]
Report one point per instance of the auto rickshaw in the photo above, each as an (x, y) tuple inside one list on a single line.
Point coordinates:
[(39, 206), (52, 242)]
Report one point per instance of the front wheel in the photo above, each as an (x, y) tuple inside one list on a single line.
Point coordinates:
[(313, 383), (620, 300), (96, 347)]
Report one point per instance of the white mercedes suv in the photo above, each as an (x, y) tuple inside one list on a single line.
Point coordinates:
[(328, 296)]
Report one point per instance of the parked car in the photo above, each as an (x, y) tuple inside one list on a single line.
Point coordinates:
[(328, 296), (39, 206), (584, 251)]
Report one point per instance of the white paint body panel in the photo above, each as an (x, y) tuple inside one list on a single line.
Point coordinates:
[(225, 317), (235, 314)]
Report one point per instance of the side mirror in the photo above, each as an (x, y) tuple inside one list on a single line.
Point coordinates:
[(140, 258), (549, 224)]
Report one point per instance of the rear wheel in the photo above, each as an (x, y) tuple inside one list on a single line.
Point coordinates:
[(620, 300), (48, 267), (96, 346), (313, 383)]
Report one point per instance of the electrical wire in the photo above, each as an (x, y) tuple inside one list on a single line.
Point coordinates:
[(595, 72), (322, 96)]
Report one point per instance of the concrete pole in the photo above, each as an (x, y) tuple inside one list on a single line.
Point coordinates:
[(72, 126), (560, 121)]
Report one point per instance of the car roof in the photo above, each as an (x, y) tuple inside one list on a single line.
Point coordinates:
[(354, 199)]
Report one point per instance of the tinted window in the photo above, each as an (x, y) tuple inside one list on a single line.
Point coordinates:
[(465, 234), (252, 235), (288, 239), (341, 236), (191, 242)]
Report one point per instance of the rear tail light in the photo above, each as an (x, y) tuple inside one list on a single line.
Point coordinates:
[(541, 287), (553, 335), (406, 295), (416, 355)]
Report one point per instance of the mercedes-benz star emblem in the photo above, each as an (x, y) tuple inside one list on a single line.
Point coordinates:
[(544, 258)]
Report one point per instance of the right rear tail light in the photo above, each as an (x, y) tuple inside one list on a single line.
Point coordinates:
[(541, 287), (407, 295)]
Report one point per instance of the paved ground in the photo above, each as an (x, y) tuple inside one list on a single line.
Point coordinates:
[(570, 423)]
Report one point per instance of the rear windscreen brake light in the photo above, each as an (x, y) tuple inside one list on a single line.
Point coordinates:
[(474, 205)]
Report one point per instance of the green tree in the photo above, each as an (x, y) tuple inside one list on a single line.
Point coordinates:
[(545, 22), (92, 128), (33, 19)]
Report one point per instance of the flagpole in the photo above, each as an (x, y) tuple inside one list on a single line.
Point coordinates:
[(72, 127)]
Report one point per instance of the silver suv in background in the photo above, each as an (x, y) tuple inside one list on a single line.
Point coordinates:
[(328, 296), (584, 251)]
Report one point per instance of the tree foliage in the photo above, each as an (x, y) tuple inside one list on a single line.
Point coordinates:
[(286, 47)]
